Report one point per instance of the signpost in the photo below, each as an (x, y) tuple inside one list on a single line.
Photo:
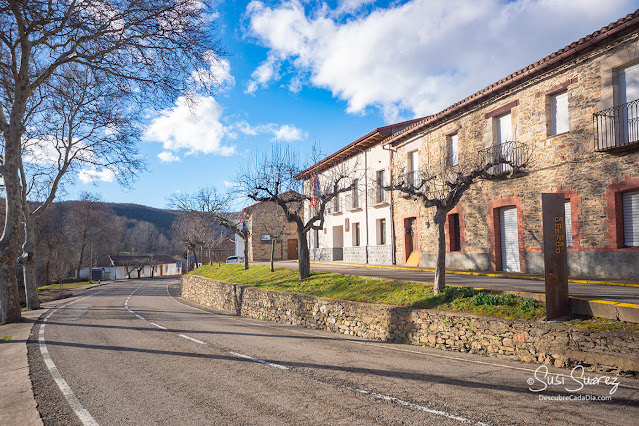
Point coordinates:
[(555, 256)]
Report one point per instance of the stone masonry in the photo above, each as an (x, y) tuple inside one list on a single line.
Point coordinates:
[(592, 181), (268, 218), (536, 342)]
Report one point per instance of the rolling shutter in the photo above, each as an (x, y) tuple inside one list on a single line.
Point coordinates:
[(509, 239), (631, 219), (568, 215)]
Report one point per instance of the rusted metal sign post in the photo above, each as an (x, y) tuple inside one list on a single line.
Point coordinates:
[(555, 256)]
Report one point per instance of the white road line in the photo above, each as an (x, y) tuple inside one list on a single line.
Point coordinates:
[(419, 407), (141, 317), (158, 326), (73, 401), (192, 339), (385, 346), (261, 361)]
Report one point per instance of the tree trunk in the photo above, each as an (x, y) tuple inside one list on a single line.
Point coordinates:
[(440, 268), (304, 262), (82, 247), (10, 240), (29, 265), (246, 253), (272, 252)]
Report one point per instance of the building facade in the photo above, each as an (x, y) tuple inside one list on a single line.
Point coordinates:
[(266, 222), (358, 223), (576, 114)]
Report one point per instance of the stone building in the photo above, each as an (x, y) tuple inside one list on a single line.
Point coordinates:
[(266, 221), (358, 223), (576, 112)]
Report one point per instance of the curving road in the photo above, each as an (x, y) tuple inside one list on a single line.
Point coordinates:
[(132, 353)]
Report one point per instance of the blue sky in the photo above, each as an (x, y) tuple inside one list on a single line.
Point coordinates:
[(300, 72)]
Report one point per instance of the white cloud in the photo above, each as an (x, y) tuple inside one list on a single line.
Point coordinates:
[(286, 132), (228, 184), (217, 76), (267, 71), (195, 128), (418, 56), (168, 157), (289, 134), (199, 129), (92, 175)]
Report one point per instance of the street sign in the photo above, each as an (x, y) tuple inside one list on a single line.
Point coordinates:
[(555, 256)]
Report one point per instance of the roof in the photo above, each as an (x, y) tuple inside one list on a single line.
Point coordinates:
[(369, 139), (225, 243), (586, 44), (124, 260)]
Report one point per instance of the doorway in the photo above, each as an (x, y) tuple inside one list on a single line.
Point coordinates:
[(291, 249)]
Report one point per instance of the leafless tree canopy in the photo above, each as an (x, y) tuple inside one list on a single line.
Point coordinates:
[(204, 209), (275, 177), (442, 185), (74, 77)]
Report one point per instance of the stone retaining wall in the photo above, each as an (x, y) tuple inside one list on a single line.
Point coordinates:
[(553, 344)]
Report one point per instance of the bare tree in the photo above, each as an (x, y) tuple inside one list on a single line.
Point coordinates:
[(277, 177), (207, 207), (442, 186), (147, 51), (275, 228), (81, 122)]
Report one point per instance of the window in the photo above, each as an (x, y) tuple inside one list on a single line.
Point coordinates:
[(630, 208), (568, 222), (356, 241), (628, 92), (413, 168), (381, 232), (336, 206), (381, 181), (355, 194), (504, 141), (454, 232), (559, 113), (454, 150)]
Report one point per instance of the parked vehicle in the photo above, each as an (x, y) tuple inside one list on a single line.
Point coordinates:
[(234, 259)]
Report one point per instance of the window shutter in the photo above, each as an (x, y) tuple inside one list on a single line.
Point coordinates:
[(568, 215), (631, 219)]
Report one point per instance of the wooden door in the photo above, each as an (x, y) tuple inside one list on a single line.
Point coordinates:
[(291, 249)]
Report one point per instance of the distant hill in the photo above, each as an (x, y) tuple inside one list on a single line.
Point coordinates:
[(161, 218)]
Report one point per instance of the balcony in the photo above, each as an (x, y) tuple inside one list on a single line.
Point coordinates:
[(510, 151), (617, 127)]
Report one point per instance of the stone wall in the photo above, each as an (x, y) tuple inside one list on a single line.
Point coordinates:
[(355, 254), (268, 218), (592, 181), (537, 342), (380, 255)]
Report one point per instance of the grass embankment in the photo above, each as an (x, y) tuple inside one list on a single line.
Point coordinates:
[(362, 289), (65, 286)]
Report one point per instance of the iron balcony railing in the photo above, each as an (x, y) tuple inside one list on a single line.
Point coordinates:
[(617, 127), (511, 153), (411, 179)]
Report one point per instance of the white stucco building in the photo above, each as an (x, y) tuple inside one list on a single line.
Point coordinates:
[(357, 224)]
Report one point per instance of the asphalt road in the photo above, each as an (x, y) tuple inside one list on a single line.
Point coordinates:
[(158, 360), (620, 294)]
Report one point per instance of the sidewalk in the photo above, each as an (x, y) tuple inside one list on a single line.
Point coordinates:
[(497, 274), (17, 403)]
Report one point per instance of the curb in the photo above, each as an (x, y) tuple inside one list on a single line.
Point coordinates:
[(482, 274)]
